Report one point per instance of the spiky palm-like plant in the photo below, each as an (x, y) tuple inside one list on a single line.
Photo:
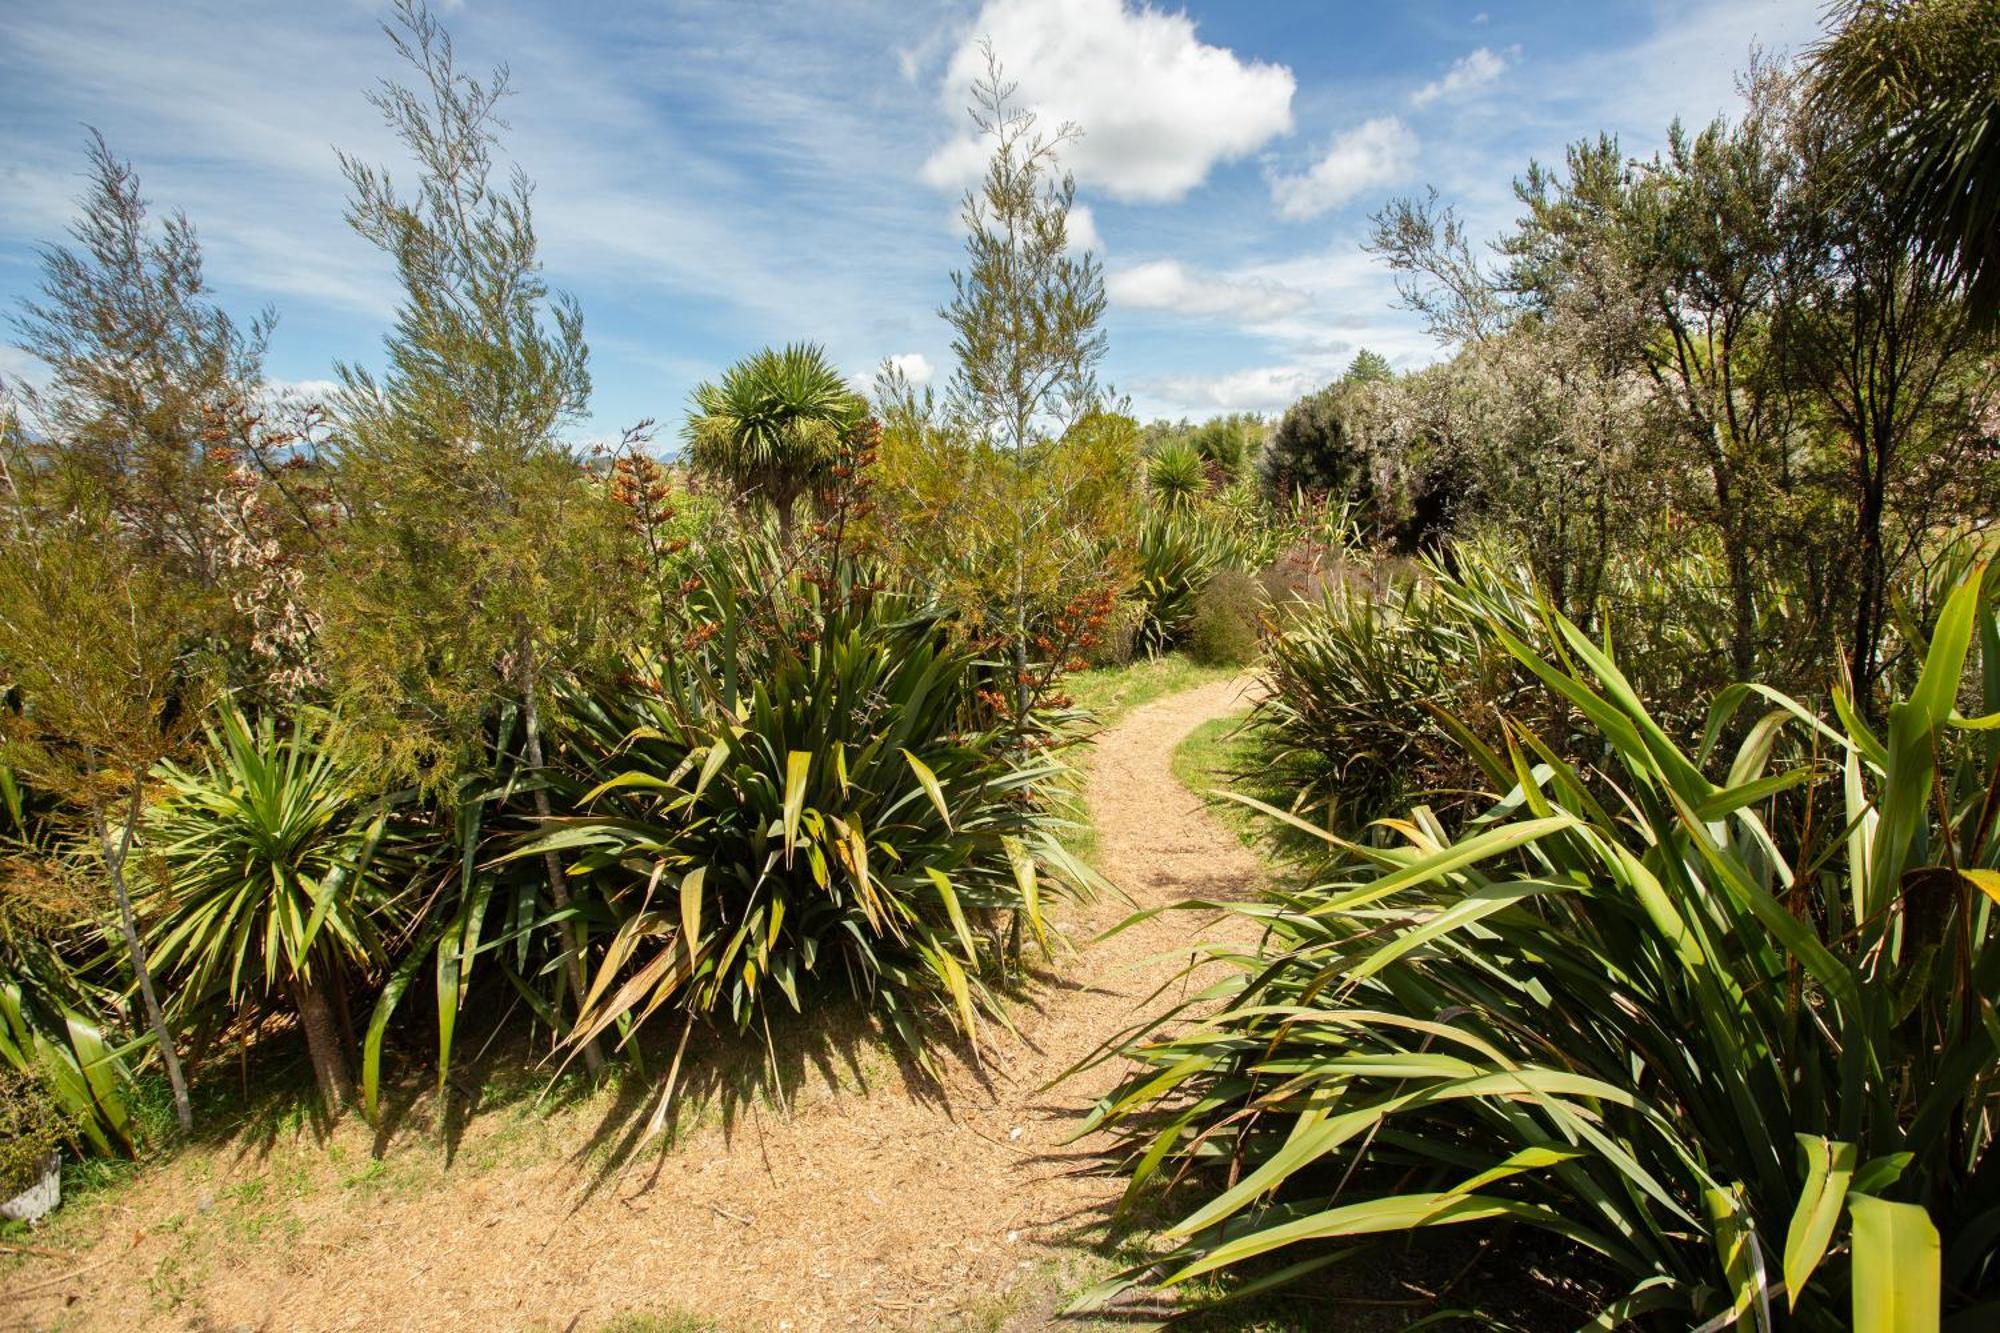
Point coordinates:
[(771, 426), (1914, 87), (1716, 1023), (1176, 474), (276, 878)]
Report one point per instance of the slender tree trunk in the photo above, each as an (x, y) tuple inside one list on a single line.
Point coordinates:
[(1868, 606), (593, 1057), (316, 1016), (114, 856)]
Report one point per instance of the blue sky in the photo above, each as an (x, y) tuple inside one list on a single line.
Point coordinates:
[(715, 175)]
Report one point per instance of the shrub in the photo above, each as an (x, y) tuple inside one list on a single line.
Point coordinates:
[(54, 1012), (1317, 448), (795, 799), (1223, 630), (1726, 1038), (30, 1129), (1352, 682), (1118, 641), (1229, 443), (1178, 553)]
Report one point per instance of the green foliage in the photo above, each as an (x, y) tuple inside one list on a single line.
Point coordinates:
[(1041, 536), (1367, 367), (1178, 554), (795, 802), (274, 863), (1176, 474), (109, 657), (1911, 88), (144, 368), (469, 544), (1231, 443), (31, 1127), (54, 1010), (1223, 629), (771, 426), (1721, 1035), (1228, 444), (278, 874), (1029, 550), (1319, 447), (1351, 682)]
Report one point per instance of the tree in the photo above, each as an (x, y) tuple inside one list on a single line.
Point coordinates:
[(272, 861), (772, 426), (470, 541), (1912, 87), (1025, 317), (142, 365), (114, 564), (108, 651), (1699, 234), (1884, 346), (1321, 444), (1368, 368)]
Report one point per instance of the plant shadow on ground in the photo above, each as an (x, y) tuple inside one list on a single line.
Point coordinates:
[(1506, 1278)]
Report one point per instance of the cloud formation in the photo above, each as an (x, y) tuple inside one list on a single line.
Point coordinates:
[(1260, 389), (1159, 108), (1467, 73), (1167, 284), (916, 367), (1375, 152)]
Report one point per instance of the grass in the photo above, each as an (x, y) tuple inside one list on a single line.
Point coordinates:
[(1110, 693), (672, 1321), (1215, 755)]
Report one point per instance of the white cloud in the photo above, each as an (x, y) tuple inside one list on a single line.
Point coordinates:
[(1261, 389), (1166, 284), (1477, 70), (916, 367), (311, 390), (1159, 108), (18, 368), (1083, 231), (1373, 153)]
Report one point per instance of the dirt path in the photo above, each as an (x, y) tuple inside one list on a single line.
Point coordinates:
[(859, 1209)]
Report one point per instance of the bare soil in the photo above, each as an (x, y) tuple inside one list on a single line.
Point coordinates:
[(865, 1196)]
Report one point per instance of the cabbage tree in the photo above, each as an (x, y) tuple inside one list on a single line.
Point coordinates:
[(772, 425)]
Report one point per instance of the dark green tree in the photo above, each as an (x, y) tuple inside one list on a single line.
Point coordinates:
[(1320, 446)]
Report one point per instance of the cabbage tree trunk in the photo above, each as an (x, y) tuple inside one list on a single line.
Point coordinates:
[(329, 1063)]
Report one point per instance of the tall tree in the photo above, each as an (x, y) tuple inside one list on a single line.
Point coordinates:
[(142, 365), (114, 562), (466, 552), (1700, 233), (1025, 316), (1884, 346)]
